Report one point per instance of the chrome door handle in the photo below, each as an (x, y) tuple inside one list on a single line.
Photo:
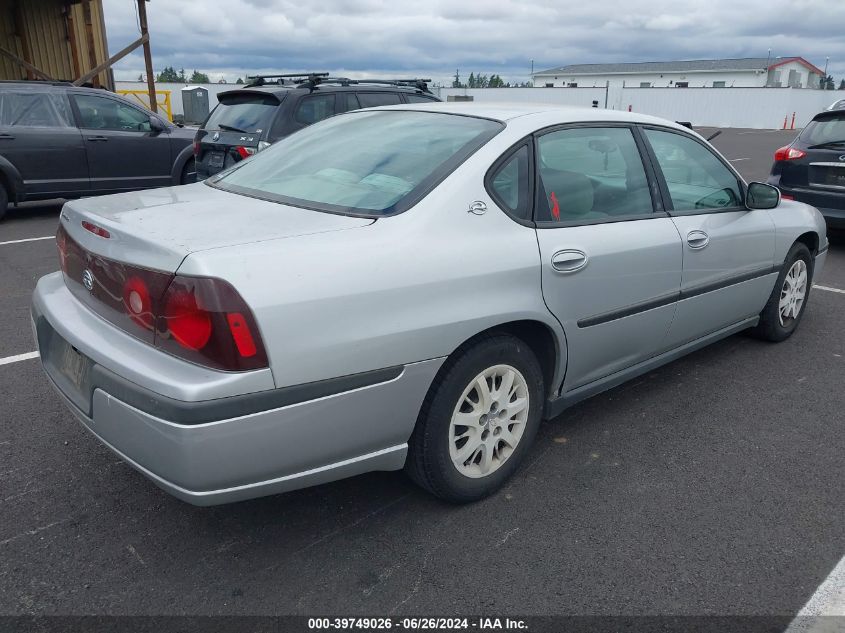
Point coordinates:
[(697, 239), (569, 261)]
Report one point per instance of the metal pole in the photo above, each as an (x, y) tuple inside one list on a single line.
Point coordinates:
[(148, 59), (532, 72), (824, 79)]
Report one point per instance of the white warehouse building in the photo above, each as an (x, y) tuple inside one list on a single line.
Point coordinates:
[(752, 72)]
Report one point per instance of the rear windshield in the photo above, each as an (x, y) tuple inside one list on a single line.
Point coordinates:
[(243, 113), (361, 163), (829, 130)]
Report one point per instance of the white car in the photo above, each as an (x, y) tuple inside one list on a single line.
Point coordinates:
[(414, 286)]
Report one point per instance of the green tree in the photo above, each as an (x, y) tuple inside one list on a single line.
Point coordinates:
[(239, 81), (182, 77), (168, 73), (842, 85), (457, 82), (199, 78), (471, 81)]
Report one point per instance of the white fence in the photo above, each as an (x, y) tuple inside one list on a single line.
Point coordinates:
[(761, 108)]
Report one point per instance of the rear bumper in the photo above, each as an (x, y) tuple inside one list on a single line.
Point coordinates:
[(220, 456)]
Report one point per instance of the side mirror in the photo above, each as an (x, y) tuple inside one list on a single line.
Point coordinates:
[(156, 125), (762, 196)]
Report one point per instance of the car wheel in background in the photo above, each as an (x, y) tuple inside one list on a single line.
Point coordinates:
[(189, 172), (478, 419), (788, 300), (4, 200)]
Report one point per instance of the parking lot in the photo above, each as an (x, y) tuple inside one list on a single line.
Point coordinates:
[(714, 485)]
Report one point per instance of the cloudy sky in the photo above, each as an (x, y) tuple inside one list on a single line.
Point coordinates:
[(231, 38)]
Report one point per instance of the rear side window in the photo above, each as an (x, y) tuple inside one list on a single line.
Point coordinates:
[(243, 113), (591, 174), (314, 108), (419, 99), (35, 109), (373, 99), (509, 184), (827, 131), (697, 180)]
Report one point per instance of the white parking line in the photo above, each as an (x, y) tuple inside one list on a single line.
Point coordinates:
[(28, 239), (18, 358), (829, 600), (829, 289)]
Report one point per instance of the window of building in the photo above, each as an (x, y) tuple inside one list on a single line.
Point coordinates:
[(645, 84), (550, 85), (681, 84), (718, 84)]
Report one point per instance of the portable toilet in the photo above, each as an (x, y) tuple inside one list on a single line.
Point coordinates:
[(195, 104)]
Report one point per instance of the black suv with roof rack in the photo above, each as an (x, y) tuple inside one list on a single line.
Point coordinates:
[(58, 140), (811, 169), (270, 107)]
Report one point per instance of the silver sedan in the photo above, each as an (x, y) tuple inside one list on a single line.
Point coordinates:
[(407, 287)]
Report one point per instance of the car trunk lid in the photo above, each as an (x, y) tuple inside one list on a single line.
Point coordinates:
[(158, 228)]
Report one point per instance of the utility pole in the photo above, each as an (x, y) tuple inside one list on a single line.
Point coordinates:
[(532, 72), (148, 59), (824, 79)]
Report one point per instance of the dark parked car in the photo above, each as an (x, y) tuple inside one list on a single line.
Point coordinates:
[(62, 141), (811, 169), (249, 119)]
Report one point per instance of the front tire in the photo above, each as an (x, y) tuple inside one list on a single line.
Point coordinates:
[(478, 420), (786, 305)]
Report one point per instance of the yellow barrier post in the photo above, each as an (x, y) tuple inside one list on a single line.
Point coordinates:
[(162, 99)]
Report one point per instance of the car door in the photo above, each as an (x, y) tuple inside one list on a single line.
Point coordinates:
[(38, 136), (611, 257), (124, 151), (728, 250)]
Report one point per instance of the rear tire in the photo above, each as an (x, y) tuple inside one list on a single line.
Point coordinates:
[(4, 200), (496, 387), (786, 305), (189, 172)]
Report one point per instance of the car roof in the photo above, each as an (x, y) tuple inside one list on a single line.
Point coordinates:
[(540, 113)]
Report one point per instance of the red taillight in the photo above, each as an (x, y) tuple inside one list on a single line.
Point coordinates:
[(200, 319), (245, 152), (206, 321), (186, 321), (196, 148), (786, 196), (96, 230), (789, 153), (241, 334)]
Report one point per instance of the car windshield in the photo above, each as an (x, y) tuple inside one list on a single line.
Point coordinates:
[(243, 113), (362, 163), (828, 130)]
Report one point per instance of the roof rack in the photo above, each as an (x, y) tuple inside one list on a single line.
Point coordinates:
[(419, 84), (261, 80)]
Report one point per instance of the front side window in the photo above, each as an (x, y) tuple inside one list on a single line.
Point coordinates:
[(591, 174), (35, 109), (101, 113), (696, 179), (510, 186), (314, 108), (370, 163)]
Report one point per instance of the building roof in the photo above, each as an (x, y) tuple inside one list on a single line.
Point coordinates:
[(690, 66)]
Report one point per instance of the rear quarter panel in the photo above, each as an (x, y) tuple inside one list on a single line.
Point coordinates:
[(403, 289)]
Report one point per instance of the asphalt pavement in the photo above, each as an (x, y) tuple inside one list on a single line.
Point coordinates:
[(712, 486)]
